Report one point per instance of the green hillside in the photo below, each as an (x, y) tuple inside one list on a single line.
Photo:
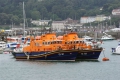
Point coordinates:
[(11, 10)]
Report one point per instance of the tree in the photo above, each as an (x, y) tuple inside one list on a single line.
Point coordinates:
[(35, 15)]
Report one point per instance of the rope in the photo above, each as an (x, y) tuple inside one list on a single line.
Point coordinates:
[(27, 56)]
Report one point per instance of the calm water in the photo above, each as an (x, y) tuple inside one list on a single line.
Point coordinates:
[(10, 69)]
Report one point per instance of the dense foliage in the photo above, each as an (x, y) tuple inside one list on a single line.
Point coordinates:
[(11, 10)]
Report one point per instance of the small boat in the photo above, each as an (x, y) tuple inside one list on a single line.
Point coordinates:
[(13, 39), (107, 37), (88, 38), (116, 50), (2, 45), (12, 45), (86, 49), (19, 47)]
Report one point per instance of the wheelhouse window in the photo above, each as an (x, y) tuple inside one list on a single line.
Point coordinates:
[(37, 44), (43, 43), (48, 43), (60, 42), (65, 42), (77, 42)]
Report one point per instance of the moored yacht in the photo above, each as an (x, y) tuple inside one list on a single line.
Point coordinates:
[(107, 37), (88, 38), (2, 45), (116, 50)]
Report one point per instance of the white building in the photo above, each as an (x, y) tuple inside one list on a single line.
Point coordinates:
[(94, 18), (116, 12), (115, 29), (58, 25), (87, 19), (40, 22)]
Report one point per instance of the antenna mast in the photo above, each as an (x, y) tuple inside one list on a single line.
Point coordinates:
[(24, 20)]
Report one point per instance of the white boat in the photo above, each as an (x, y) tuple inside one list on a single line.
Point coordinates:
[(107, 37), (12, 45), (116, 50), (20, 48), (104, 38), (2, 45), (88, 38)]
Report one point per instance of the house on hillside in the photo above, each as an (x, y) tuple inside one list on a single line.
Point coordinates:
[(40, 22), (58, 25), (102, 18), (71, 21), (87, 19), (94, 18), (116, 12)]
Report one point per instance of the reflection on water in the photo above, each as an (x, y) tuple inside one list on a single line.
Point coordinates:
[(10, 69)]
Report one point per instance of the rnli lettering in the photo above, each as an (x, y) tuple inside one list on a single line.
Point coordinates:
[(60, 54), (83, 53)]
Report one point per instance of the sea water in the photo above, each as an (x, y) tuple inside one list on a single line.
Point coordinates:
[(10, 69)]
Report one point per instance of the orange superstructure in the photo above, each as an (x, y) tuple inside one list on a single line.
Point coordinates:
[(66, 47), (47, 42), (72, 41)]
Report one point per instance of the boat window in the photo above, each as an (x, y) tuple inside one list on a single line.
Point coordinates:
[(77, 42), (65, 42), (43, 43), (57, 42), (37, 44), (13, 44), (60, 42), (48, 42)]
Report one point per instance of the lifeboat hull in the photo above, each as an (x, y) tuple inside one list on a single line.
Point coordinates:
[(89, 54), (64, 55)]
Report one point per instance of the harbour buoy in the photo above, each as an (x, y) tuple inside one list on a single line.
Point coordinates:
[(105, 59)]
